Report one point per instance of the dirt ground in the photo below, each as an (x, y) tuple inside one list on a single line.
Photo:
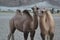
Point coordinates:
[(4, 28)]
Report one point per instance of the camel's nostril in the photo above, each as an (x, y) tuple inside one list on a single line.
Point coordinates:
[(42, 12)]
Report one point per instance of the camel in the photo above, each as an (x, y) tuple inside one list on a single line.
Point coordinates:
[(47, 24), (23, 22)]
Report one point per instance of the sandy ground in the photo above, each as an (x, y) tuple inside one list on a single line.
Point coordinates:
[(4, 28)]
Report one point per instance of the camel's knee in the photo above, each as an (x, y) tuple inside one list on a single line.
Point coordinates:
[(12, 37), (42, 36), (51, 36), (12, 30), (9, 36), (26, 35), (32, 34), (51, 33)]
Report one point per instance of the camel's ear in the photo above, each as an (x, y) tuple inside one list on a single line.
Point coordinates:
[(18, 10), (32, 8)]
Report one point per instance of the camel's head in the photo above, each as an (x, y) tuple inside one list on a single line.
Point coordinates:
[(38, 11), (18, 11), (42, 12), (35, 10)]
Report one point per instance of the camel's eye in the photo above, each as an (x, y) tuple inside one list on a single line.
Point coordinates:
[(42, 11), (37, 8)]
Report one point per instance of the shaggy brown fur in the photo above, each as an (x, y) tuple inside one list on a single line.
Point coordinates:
[(24, 23)]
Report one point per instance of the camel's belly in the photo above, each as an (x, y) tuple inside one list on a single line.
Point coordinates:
[(20, 26)]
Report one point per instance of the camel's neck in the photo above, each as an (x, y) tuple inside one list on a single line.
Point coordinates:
[(35, 16), (35, 19), (43, 18)]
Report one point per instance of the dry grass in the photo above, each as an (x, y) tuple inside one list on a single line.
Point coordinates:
[(57, 14)]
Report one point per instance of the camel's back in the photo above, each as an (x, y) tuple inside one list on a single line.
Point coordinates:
[(51, 22), (50, 16)]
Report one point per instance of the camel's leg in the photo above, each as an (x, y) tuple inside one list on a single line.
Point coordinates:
[(26, 35), (32, 34), (51, 36), (48, 37), (12, 37), (43, 36), (11, 34)]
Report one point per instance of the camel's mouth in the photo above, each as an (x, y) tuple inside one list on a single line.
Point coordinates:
[(40, 13)]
